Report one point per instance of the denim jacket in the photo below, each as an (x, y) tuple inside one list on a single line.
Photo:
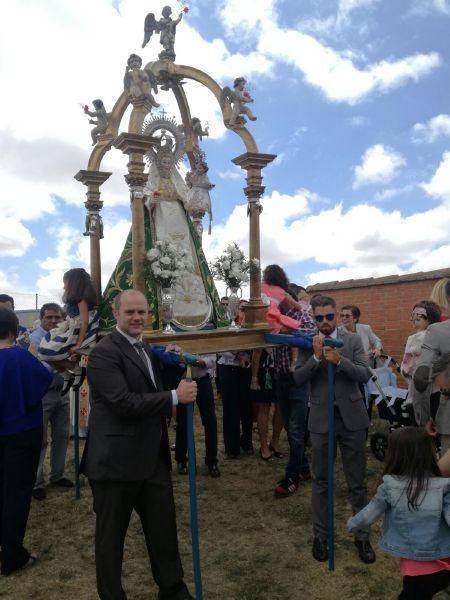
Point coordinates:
[(422, 534)]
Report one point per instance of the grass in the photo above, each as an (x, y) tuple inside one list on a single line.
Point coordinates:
[(253, 546)]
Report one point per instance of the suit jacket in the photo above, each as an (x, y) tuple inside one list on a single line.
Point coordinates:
[(127, 427), (436, 342), (351, 371)]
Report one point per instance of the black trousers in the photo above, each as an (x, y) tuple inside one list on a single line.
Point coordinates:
[(235, 386), (19, 459), (152, 499), (424, 587), (205, 403)]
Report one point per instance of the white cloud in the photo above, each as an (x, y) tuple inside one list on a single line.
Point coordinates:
[(334, 73), (429, 132), (426, 7), (72, 250), (232, 174), (439, 184), (379, 164), (390, 193), (345, 7)]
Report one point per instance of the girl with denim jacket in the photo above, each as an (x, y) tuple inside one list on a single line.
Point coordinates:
[(415, 501)]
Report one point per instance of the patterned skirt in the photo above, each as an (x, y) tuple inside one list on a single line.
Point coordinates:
[(57, 343)]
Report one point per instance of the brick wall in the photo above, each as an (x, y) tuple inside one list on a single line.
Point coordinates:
[(385, 303)]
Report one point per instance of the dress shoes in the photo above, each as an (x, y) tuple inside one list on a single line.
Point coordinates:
[(365, 551), (320, 550), (39, 494), (63, 482)]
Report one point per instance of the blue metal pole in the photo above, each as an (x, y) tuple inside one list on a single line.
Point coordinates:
[(192, 470), (330, 467)]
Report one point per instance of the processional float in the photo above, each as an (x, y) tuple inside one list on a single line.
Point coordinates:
[(154, 138)]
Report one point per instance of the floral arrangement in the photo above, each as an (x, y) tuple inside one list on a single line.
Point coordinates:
[(166, 262), (232, 267)]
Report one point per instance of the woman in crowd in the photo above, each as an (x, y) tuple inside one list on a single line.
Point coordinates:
[(423, 314), (23, 383), (264, 398), (439, 296), (350, 315), (415, 501)]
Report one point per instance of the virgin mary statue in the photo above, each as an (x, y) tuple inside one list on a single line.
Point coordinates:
[(196, 302)]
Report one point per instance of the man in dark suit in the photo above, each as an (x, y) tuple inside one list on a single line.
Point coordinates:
[(351, 420), (127, 455)]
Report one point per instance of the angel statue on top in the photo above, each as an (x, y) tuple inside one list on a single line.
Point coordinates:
[(167, 27), (196, 301)]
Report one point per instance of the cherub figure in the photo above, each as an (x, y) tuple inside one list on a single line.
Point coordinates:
[(166, 26), (198, 201), (101, 123), (239, 97), (139, 82)]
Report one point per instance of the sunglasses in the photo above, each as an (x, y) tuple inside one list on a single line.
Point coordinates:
[(346, 316), (328, 317)]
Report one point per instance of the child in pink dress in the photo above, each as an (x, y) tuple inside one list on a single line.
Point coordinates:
[(274, 288)]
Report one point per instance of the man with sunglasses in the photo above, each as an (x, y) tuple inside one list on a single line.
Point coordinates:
[(351, 420)]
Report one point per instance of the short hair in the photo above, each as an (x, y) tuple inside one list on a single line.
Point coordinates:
[(49, 306), (9, 323), (6, 298), (224, 298), (354, 310), (441, 365), (292, 289), (431, 308), (118, 299), (322, 301)]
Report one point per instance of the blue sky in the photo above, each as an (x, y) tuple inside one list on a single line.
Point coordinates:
[(352, 95)]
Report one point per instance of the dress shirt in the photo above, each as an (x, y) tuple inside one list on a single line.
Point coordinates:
[(210, 365), (132, 340)]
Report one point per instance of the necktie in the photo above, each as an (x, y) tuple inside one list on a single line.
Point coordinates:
[(145, 359)]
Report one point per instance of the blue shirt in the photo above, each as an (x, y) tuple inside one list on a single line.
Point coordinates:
[(23, 383)]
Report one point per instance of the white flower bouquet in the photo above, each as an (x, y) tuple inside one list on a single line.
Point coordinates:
[(167, 263), (231, 267)]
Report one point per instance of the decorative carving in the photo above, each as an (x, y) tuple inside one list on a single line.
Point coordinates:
[(101, 124), (138, 82), (239, 97), (198, 201), (167, 27), (198, 129), (94, 225)]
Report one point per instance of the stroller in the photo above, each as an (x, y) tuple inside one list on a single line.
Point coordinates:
[(391, 402)]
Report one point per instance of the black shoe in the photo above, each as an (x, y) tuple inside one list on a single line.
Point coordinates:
[(214, 470), (365, 551), (320, 550), (63, 482), (182, 468), (39, 494)]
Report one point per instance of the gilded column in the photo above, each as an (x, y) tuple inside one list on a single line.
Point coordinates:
[(253, 163), (94, 225), (136, 145)]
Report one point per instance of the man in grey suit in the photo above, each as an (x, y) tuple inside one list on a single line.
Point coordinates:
[(127, 455), (351, 420), (435, 344)]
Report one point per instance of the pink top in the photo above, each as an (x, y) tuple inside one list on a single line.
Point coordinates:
[(413, 568), (275, 294)]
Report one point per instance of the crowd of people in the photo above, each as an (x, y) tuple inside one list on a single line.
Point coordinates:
[(135, 392)]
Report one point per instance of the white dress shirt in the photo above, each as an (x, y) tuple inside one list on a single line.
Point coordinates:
[(132, 340)]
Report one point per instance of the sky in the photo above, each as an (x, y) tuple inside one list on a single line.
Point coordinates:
[(353, 96)]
